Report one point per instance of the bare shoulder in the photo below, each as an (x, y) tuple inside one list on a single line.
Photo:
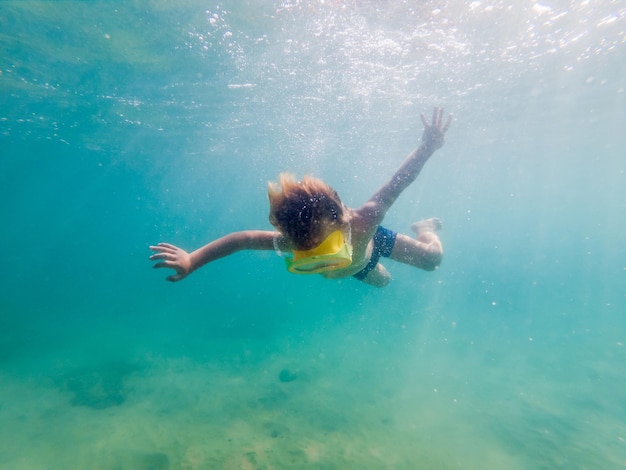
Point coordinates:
[(364, 220), (367, 217)]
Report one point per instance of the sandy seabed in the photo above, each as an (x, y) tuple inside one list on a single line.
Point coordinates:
[(339, 400)]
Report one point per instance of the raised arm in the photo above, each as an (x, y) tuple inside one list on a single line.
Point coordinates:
[(185, 263), (432, 139)]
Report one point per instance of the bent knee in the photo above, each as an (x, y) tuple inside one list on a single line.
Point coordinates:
[(380, 282), (430, 265), (378, 277), (432, 259)]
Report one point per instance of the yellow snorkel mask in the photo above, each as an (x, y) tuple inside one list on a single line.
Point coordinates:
[(333, 253)]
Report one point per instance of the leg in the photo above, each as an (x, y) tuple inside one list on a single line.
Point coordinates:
[(377, 277), (433, 224), (426, 251)]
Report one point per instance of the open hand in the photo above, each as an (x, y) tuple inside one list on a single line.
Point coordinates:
[(174, 258), (432, 138)]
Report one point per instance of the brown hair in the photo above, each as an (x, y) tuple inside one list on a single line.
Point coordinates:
[(302, 210)]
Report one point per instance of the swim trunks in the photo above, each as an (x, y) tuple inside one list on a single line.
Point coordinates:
[(384, 240)]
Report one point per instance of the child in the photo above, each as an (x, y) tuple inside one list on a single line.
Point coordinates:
[(318, 234)]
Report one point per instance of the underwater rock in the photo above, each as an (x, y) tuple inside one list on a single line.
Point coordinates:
[(286, 375)]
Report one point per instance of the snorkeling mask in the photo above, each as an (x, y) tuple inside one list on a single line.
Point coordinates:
[(333, 253)]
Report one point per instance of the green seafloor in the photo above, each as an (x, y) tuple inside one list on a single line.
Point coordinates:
[(123, 124)]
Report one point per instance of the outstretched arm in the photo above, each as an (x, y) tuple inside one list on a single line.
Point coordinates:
[(432, 139), (185, 263)]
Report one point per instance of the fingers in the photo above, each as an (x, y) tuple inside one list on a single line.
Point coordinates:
[(164, 247), (165, 264), (448, 122), (164, 251), (437, 120), (169, 264), (164, 255), (171, 258), (437, 117)]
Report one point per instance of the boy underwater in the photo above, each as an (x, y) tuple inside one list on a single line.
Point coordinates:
[(317, 234)]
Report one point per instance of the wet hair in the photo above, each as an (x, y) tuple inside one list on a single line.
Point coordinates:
[(303, 210)]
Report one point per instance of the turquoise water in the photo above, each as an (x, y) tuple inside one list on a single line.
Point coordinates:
[(123, 124)]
